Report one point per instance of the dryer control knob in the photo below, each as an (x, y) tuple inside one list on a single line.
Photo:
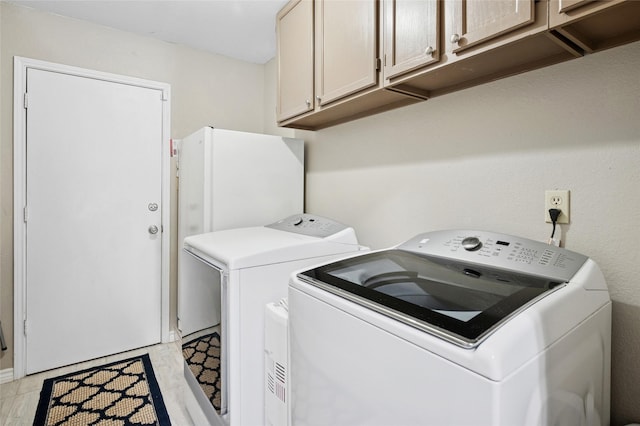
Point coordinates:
[(471, 243)]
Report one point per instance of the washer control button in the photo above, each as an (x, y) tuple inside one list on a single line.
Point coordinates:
[(471, 243), (472, 273)]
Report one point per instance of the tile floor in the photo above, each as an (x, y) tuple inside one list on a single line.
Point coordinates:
[(19, 399)]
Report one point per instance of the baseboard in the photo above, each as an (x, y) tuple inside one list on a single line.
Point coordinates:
[(6, 375)]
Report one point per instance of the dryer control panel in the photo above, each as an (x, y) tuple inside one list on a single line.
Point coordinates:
[(308, 224), (499, 251)]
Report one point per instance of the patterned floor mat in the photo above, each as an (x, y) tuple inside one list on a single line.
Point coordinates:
[(121, 393), (203, 357)]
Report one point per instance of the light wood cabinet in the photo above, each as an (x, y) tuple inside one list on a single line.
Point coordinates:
[(411, 35), (344, 80), (294, 33), (476, 22), (330, 52), (327, 50), (346, 48), (420, 33), (481, 41)]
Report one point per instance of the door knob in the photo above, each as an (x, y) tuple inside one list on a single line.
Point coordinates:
[(455, 38), (153, 229)]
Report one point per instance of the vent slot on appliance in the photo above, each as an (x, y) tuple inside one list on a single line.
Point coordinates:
[(276, 365), (276, 380)]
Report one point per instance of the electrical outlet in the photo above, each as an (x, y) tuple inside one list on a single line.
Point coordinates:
[(557, 199)]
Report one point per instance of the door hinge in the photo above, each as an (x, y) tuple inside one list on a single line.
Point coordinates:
[(25, 214), (26, 101), (378, 64), (385, 59), (165, 96), (24, 327)]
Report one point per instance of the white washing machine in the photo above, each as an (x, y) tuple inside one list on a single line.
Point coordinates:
[(452, 328), (249, 267)]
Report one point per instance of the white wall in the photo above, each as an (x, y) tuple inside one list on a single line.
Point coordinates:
[(206, 90), (482, 158)]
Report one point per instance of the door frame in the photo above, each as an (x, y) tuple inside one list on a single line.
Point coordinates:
[(20, 67)]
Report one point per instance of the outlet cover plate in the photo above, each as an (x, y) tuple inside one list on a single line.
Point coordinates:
[(557, 199)]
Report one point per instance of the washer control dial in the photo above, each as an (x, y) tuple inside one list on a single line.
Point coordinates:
[(308, 224), (471, 243)]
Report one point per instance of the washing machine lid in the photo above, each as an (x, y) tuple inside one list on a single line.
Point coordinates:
[(297, 237), (453, 295)]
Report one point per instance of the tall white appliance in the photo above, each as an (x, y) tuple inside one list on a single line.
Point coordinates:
[(230, 179)]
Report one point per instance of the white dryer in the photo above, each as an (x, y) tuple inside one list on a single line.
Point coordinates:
[(452, 328), (248, 268)]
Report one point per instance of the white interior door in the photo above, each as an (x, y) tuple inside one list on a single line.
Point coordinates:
[(93, 175)]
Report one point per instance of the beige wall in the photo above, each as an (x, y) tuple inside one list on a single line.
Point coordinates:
[(482, 158), (206, 90)]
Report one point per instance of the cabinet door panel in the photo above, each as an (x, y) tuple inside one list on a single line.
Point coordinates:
[(412, 35), (482, 20), (567, 5), (295, 59), (346, 48)]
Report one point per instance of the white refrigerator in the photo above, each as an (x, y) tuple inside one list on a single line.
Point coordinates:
[(229, 179)]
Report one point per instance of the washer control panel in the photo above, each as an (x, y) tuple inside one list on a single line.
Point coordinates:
[(308, 224), (500, 251)]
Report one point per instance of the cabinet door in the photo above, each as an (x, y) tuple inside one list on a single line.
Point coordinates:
[(567, 5), (346, 48), (477, 21), (295, 59), (411, 35), (566, 11)]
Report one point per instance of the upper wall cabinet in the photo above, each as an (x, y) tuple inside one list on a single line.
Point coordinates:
[(479, 41), (369, 56), (475, 22), (337, 77), (593, 25), (411, 35), (295, 59), (346, 48)]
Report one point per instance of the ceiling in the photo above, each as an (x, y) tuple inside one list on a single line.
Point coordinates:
[(241, 29)]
